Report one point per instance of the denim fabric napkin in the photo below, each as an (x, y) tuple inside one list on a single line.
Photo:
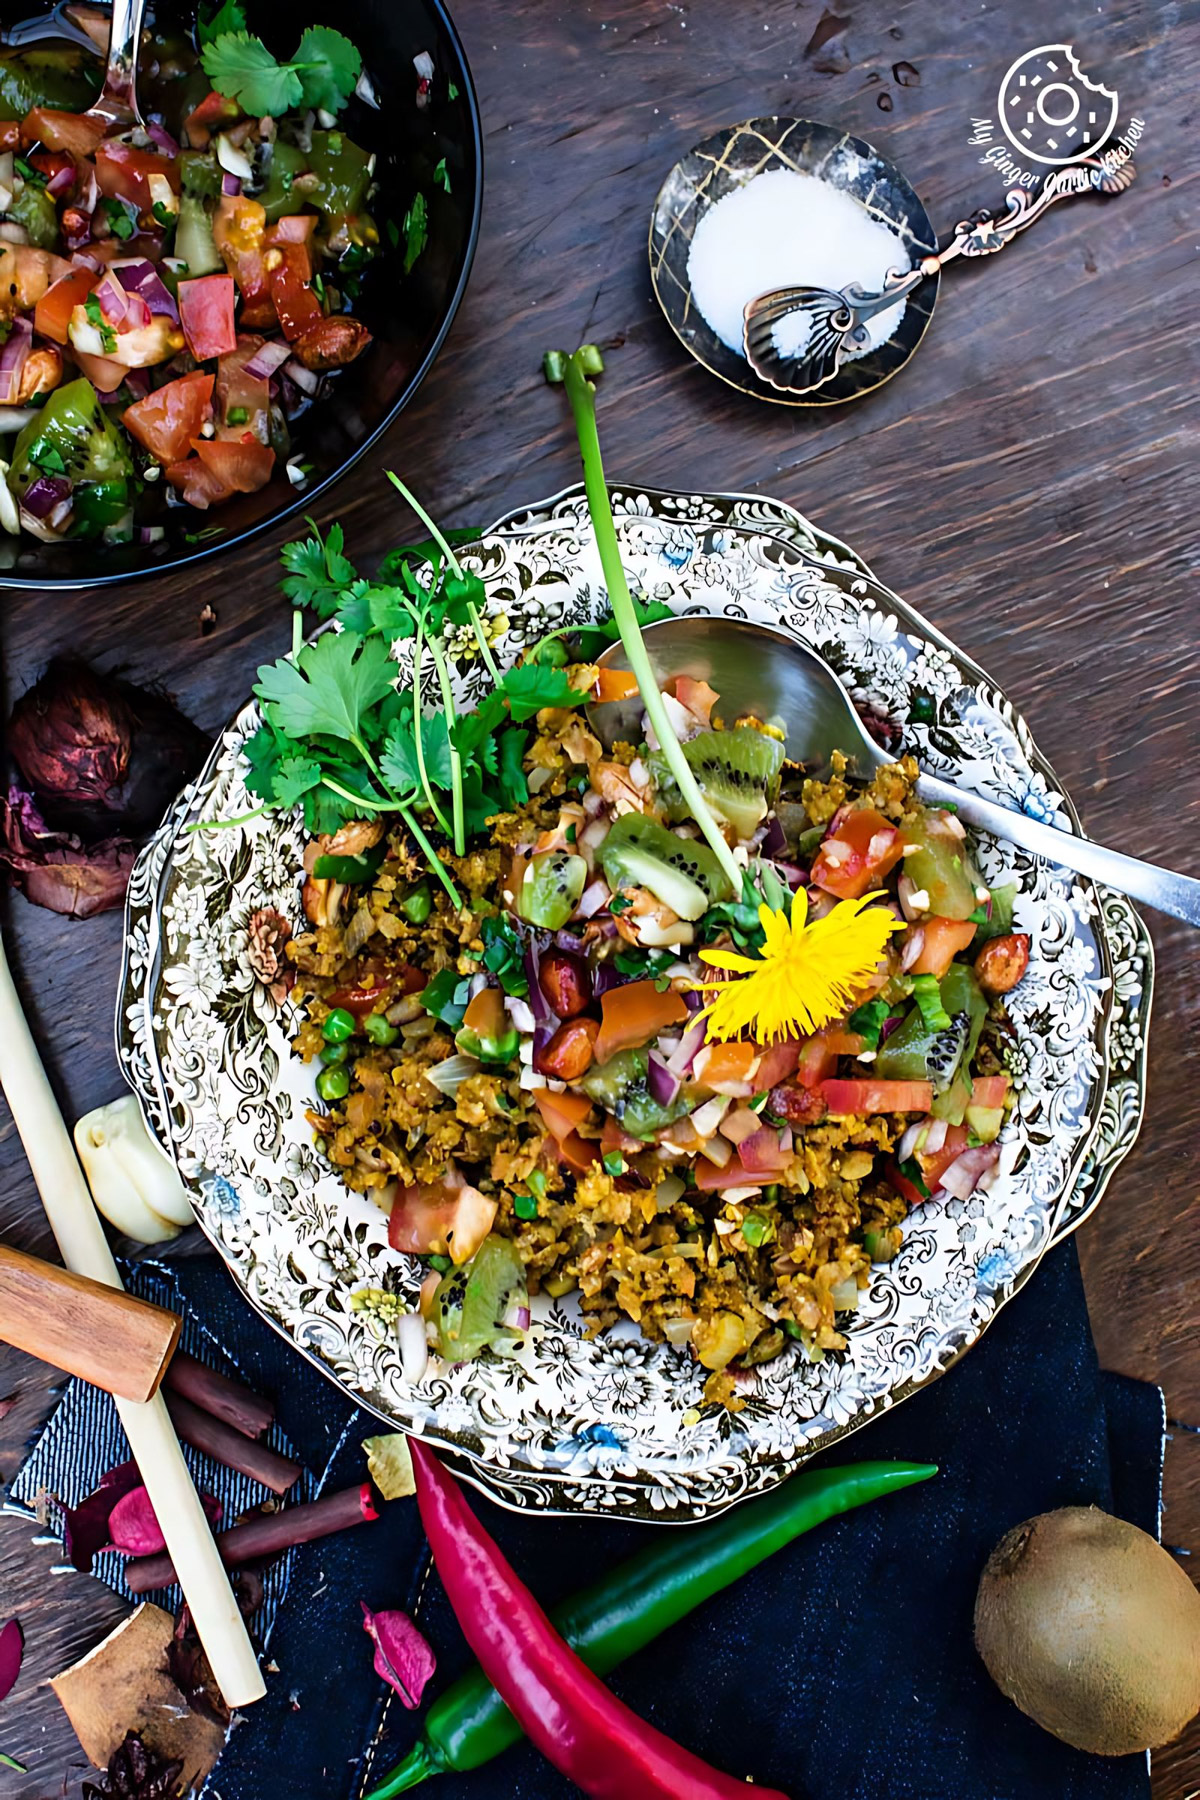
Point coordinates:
[(842, 1669)]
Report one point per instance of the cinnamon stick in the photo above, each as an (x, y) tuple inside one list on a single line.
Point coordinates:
[(238, 1405), (266, 1536), (224, 1445)]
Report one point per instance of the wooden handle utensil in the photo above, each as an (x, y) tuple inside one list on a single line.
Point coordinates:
[(107, 1337)]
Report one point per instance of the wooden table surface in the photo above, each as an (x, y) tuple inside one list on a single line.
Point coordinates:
[(1029, 482)]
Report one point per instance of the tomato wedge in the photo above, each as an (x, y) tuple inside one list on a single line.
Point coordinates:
[(214, 113), (865, 1096), (123, 173), (52, 315), (297, 229), (206, 314), (633, 1014), (989, 1091), (379, 984), (200, 486), (104, 373), (856, 856), (76, 132), (295, 302), (167, 420), (441, 1220), (817, 1061)]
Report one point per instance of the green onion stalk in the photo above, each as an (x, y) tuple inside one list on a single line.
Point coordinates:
[(574, 372)]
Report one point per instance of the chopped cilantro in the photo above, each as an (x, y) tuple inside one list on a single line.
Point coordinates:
[(614, 1162), (119, 221), (416, 230), (322, 74), (108, 336)]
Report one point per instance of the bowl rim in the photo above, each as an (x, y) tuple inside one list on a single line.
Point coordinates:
[(307, 497)]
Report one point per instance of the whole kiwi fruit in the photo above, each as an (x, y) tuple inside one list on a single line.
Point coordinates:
[(1090, 1627)]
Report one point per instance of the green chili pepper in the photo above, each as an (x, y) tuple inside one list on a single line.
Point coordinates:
[(469, 1724), (334, 1084), (380, 1030), (339, 1026), (351, 871), (417, 905), (928, 997)]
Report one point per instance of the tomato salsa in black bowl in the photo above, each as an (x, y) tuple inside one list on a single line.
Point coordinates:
[(204, 323)]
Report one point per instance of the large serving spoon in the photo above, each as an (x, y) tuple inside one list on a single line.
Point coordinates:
[(116, 102), (758, 670), (836, 322)]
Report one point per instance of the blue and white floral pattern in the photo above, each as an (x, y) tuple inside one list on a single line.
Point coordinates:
[(615, 1424)]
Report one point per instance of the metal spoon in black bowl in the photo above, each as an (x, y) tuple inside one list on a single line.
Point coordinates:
[(116, 102), (776, 678)]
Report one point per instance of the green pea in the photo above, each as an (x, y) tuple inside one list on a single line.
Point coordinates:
[(334, 1053), (339, 1026), (757, 1230), (525, 1206), (333, 1084), (379, 1029), (418, 905)]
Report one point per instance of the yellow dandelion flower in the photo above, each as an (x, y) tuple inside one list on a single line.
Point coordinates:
[(805, 975)]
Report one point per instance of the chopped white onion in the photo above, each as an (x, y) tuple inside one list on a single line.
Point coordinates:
[(678, 1332), (448, 1076), (233, 160), (521, 1014), (668, 1191), (414, 1346), (706, 1118)]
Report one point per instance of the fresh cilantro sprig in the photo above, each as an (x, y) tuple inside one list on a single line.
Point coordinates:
[(322, 74)]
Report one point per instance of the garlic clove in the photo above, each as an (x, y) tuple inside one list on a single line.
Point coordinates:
[(134, 1184)]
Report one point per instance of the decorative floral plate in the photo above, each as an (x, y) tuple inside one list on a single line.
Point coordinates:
[(615, 1424)]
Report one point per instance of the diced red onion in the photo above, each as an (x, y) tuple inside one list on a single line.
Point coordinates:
[(570, 941), (539, 1005), (143, 279), (935, 1137), (775, 839), (906, 887), (517, 1318), (692, 1000), (662, 1082), (792, 874), (541, 1039), (914, 943), (892, 1023), (58, 515), (231, 185), (962, 1177), (114, 301), (413, 1346), (268, 357), (691, 1043), (593, 897), (605, 978), (305, 379), (60, 181), (82, 260), (150, 534), (158, 134), (43, 495), (13, 357), (762, 1153)]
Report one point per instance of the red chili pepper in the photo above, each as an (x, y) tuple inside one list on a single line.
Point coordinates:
[(574, 1720)]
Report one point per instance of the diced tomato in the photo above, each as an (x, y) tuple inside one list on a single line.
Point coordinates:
[(696, 697), (214, 113), (943, 939), (295, 302), (844, 1043), (242, 400), (10, 134), (167, 420), (709, 1178), (908, 1191), (579, 1154), (855, 858), (52, 163), (443, 1220), (989, 1091), (561, 1113), (103, 372), (198, 484), (76, 132), (123, 173), (866, 1096), (52, 315), (378, 984), (934, 1161), (633, 1014), (244, 466), (297, 229), (206, 314), (817, 1061), (763, 1153), (778, 1062)]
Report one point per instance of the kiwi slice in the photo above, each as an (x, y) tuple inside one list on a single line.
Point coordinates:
[(737, 771), (550, 888), (683, 874)]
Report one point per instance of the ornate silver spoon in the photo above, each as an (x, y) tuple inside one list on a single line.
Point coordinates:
[(765, 672), (837, 321), (116, 102)]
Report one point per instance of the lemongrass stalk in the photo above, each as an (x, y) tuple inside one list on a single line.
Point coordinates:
[(582, 395)]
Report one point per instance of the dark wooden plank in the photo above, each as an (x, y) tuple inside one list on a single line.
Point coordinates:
[(1030, 482)]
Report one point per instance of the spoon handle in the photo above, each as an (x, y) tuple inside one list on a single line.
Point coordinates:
[(118, 97), (985, 233), (1178, 895)]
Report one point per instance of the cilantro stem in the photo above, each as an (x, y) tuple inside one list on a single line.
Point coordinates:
[(297, 633), (418, 739), (455, 569), (225, 824), (403, 807), (456, 780), (582, 396)]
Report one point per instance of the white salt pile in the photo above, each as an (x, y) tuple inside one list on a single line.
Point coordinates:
[(785, 229)]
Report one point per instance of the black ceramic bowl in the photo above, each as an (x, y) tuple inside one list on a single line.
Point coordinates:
[(408, 314)]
